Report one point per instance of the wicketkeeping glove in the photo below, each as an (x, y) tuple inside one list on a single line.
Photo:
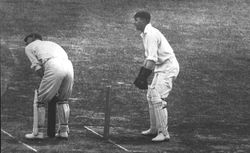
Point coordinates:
[(141, 80)]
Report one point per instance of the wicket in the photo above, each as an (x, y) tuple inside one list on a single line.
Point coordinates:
[(107, 113)]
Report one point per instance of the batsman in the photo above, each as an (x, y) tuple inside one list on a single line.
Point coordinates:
[(50, 61), (159, 59)]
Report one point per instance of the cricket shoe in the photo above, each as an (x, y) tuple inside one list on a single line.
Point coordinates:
[(39, 135), (149, 132), (62, 135), (161, 137)]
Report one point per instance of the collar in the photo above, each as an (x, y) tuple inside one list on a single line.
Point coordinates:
[(37, 40), (33, 42), (146, 29)]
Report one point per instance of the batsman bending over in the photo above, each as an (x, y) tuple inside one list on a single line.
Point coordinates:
[(51, 63), (161, 59)]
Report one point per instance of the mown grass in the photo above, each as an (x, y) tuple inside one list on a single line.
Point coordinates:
[(210, 39)]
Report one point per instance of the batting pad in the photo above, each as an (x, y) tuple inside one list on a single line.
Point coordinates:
[(63, 112), (161, 116), (41, 118)]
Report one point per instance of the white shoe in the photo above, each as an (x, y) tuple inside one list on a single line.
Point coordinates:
[(62, 135), (161, 137), (39, 135), (149, 132)]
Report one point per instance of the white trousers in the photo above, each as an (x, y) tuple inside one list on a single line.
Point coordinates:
[(158, 90), (57, 80)]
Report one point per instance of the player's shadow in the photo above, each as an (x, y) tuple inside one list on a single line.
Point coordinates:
[(45, 141), (132, 139)]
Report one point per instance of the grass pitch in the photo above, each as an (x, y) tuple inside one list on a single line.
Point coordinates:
[(209, 104)]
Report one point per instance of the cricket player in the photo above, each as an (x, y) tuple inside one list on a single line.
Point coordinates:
[(51, 63), (159, 59)]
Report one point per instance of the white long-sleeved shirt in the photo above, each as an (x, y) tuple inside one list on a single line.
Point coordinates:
[(39, 52), (158, 49)]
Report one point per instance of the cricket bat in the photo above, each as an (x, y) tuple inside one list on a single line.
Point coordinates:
[(35, 115)]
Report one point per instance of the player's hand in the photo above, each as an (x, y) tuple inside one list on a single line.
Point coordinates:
[(141, 80), (141, 84), (40, 72)]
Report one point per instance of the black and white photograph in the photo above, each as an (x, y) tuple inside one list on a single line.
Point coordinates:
[(125, 76)]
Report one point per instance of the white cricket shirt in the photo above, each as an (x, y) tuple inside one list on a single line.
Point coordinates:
[(39, 52), (158, 49)]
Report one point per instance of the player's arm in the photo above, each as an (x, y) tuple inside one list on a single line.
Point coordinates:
[(35, 64), (149, 63)]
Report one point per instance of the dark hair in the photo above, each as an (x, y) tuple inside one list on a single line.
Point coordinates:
[(34, 36), (144, 15)]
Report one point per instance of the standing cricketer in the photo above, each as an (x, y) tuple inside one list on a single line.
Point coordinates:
[(51, 63), (160, 58)]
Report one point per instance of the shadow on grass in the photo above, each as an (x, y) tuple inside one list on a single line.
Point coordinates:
[(132, 139), (44, 142)]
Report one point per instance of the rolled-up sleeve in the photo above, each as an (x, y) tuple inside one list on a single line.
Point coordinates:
[(35, 64), (151, 48)]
